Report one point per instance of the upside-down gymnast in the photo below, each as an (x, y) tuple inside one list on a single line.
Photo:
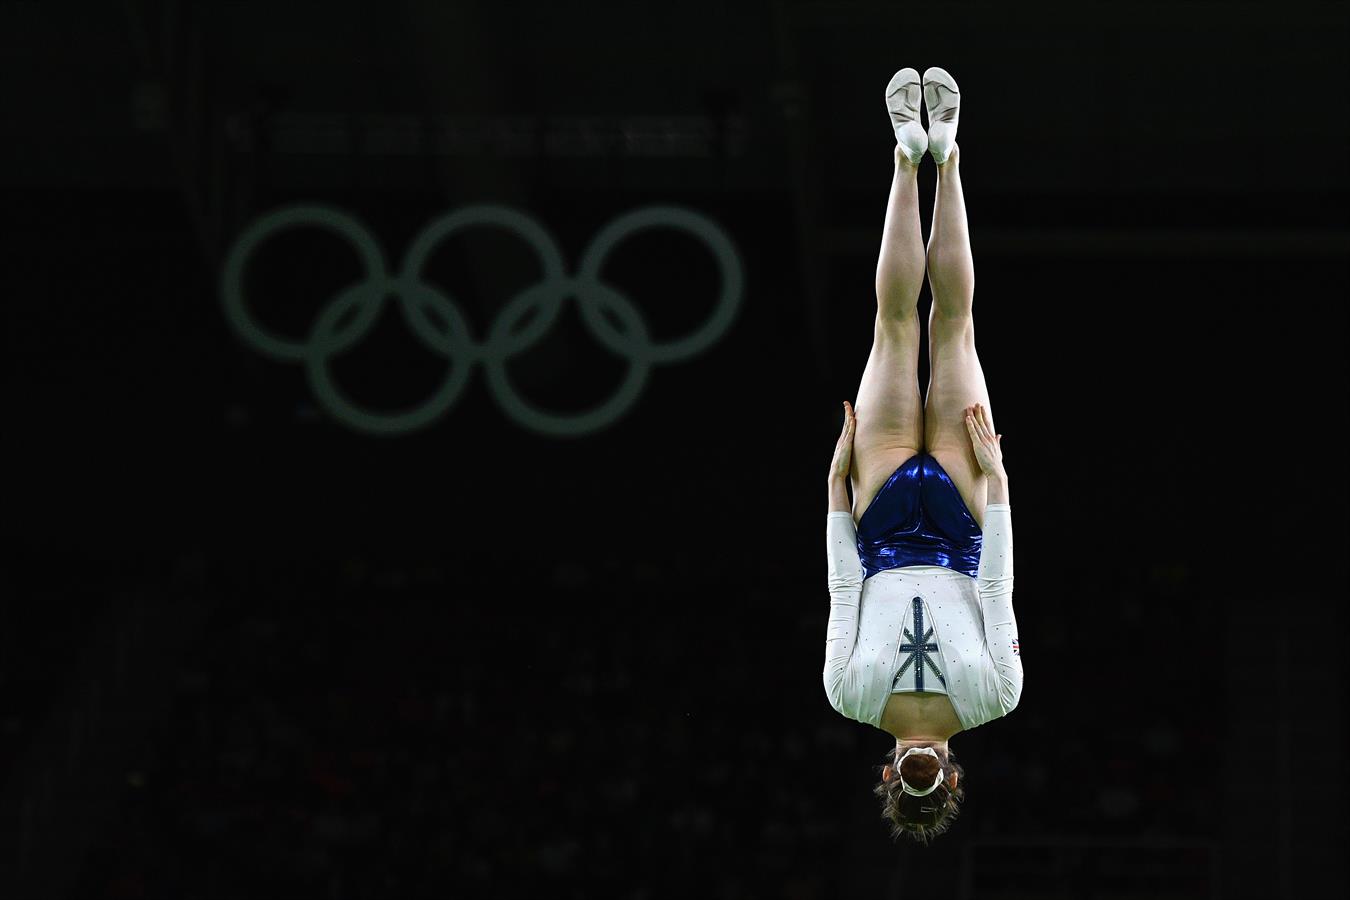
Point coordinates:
[(921, 641)]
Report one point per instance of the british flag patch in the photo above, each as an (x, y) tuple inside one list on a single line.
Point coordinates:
[(1016, 650)]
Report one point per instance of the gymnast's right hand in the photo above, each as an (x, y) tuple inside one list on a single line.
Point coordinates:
[(843, 450)]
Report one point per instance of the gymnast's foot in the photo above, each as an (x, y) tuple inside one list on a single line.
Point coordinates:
[(943, 99), (903, 94)]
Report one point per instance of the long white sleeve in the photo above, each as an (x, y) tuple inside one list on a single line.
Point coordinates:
[(845, 578), (994, 581)]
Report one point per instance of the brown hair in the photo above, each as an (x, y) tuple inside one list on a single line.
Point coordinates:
[(921, 818)]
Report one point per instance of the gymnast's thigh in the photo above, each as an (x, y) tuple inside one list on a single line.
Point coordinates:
[(889, 409), (956, 381)]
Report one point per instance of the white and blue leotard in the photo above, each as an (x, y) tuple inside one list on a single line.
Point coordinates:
[(922, 628)]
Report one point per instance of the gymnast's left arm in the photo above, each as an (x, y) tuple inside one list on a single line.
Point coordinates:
[(994, 579)]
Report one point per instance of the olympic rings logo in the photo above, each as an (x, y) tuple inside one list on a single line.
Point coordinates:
[(438, 324)]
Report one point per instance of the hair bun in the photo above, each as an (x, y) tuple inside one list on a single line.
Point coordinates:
[(919, 770)]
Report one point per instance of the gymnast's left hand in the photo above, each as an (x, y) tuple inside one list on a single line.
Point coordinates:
[(843, 450), (987, 445)]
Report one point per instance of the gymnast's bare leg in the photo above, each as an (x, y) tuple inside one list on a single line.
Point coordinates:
[(889, 410), (956, 380)]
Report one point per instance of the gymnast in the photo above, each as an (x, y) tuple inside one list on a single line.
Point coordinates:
[(921, 641)]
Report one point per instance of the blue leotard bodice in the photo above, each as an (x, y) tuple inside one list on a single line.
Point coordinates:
[(918, 519)]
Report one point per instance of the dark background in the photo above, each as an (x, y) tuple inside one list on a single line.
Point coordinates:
[(249, 651)]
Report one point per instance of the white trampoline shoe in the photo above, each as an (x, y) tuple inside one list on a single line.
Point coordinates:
[(943, 99), (903, 94)]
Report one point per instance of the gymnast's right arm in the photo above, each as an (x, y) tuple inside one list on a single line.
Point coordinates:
[(845, 579), (844, 572)]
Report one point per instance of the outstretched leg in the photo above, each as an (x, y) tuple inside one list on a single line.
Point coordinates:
[(955, 377), (888, 406)]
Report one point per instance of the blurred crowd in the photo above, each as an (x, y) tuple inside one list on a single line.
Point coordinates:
[(364, 729)]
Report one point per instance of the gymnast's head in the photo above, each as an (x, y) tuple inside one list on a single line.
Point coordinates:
[(920, 789)]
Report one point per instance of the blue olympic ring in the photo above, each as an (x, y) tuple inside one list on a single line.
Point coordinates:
[(438, 323)]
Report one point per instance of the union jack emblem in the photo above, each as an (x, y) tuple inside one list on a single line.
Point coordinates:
[(1016, 650)]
